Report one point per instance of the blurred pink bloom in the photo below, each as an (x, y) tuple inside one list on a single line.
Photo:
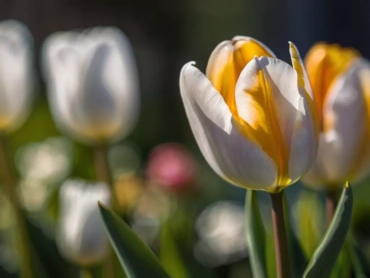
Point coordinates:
[(171, 166)]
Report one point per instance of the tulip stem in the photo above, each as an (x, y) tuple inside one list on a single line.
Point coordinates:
[(10, 184), (103, 174), (331, 204), (103, 171), (280, 236)]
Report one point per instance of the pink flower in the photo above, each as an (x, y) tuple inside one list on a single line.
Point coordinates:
[(172, 167)]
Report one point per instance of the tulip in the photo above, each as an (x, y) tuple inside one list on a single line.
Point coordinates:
[(252, 115), (81, 237), (93, 85), (16, 75), (339, 78)]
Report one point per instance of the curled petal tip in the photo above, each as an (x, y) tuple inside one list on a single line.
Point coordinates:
[(238, 37), (347, 185), (191, 63)]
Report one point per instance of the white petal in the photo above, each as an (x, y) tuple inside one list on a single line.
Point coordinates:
[(231, 155), (339, 146), (290, 108), (303, 146), (17, 84)]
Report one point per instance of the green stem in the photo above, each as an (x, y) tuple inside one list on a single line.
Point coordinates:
[(103, 171), (103, 174), (10, 184), (280, 236)]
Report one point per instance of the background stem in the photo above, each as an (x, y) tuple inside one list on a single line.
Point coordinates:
[(280, 236), (10, 189), (103, 174), (331, 204)]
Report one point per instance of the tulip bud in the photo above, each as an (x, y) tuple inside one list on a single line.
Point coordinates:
[(16, 75), (253, 115), (172, 167), (81, 237), (340, 81), (92, 83)]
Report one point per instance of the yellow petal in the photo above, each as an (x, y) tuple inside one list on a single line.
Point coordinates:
[(228, 60), (324, 64)]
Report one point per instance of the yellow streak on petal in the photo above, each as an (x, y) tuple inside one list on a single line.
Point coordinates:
[(299, 68), (264, 128), (324, 64), (224, 77)]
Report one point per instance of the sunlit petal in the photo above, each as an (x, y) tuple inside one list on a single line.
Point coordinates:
[(233, 156)]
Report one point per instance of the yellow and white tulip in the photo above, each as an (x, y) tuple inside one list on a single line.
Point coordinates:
[(17, 75), (93, 84), (252, 115), (340, 80)]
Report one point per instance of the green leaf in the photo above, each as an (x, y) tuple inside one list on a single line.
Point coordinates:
[(357, 258), (136, 258), (297, 256), (309, 218), (255, 235), (169, 253), (342, 267), (270, 255), (326, 254)]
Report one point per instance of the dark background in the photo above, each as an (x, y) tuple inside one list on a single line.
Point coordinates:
[(165, 35)]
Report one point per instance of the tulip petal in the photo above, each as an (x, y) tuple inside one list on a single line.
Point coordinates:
[(231, 155), (345, 113), (228, 60), (326, 63), (16, 74), (274, 108), (306, 128)]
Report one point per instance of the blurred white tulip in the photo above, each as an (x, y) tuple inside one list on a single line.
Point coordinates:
[(81, 237), (221, 232), (93, 84), (17, 80)]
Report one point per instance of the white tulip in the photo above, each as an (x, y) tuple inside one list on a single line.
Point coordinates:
[(17, 82), (93, 84), (81, 236), (340, 80), (253, 115)]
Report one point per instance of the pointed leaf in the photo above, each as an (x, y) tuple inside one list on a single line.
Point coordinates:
[(326, 254), (136, 258), (255, 235)]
